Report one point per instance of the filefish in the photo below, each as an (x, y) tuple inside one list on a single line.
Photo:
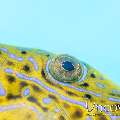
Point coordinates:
[(40, 85)]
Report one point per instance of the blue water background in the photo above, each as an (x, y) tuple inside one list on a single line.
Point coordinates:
[(86, 29)]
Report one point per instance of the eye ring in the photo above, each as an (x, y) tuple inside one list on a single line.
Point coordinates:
[(65, 68)]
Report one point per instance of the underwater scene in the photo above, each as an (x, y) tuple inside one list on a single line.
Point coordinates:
[(59, 60)]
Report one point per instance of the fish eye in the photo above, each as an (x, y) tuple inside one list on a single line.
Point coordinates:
[(65, 68)]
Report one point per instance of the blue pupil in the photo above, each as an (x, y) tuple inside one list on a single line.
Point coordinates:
[(68, 66)]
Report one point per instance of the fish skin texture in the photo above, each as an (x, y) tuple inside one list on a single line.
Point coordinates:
[(40, 85)]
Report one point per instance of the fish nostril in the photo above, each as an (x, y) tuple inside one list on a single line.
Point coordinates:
[(87, 96), (84, 84), (23, 52), (93, 75)]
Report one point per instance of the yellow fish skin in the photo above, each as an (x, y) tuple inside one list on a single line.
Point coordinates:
[(38, 85)]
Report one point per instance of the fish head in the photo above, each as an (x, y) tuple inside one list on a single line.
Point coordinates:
[(58, 86), (81, 82)]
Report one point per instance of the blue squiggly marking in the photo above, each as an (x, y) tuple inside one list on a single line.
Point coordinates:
[(116, 91), (20, 59), (114, 99), (100, 85), (2, 90), (8, 70), (46, 100), (4, 50), (115, 117), (34, 63), (13, 56), (50, 89), (26, 92)]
